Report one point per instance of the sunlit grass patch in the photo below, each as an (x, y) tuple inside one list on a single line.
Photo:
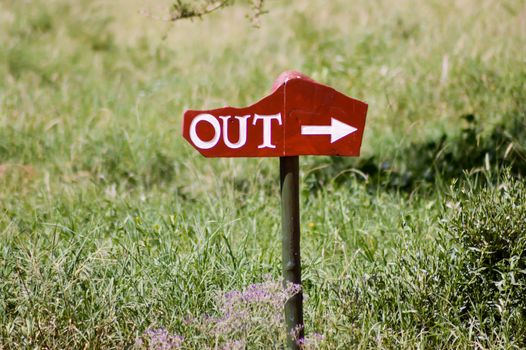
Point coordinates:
[(110, 224)]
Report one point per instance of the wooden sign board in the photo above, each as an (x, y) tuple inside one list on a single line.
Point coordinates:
[(299, 117)]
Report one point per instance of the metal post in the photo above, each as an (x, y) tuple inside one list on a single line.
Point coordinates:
[(290, 226)]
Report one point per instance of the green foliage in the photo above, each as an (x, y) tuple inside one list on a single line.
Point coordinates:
[(489, 224), (473, 148), (469, 279)]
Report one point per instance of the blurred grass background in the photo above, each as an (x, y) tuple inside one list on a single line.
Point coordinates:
[(110, 223)]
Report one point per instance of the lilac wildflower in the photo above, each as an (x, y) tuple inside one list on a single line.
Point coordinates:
[(318, 337), (239, 312), (159, 339), (295, 334), (311, 342), (234, 345), (258, 306)]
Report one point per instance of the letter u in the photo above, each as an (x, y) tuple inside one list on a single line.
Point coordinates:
[(242, 131)]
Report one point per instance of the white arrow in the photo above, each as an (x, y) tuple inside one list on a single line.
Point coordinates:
[(337, 130)]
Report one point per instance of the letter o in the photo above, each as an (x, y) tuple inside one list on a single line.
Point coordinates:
[(193, 132)]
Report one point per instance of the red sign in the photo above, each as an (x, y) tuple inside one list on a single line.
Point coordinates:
[(299, 117)]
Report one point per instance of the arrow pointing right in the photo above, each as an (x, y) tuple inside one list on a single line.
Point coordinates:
[(337, 130)]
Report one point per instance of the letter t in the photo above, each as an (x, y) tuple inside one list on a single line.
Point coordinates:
[(267, 125)]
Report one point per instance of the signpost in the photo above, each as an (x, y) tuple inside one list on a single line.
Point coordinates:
[(299, 117)]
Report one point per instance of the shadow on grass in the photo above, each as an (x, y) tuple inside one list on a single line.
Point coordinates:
[(441, 159)]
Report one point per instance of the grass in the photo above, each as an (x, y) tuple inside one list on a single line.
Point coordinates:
[(111, 225)]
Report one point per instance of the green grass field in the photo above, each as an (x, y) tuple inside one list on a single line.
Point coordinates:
[(111, 224)]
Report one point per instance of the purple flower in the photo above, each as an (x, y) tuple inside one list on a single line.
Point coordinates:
[(159, 339), (307, 342), (259, 306), (234, 345)]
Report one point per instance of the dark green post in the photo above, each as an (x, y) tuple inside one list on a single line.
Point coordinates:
[(290, 228)]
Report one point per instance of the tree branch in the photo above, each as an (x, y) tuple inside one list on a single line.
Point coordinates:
[(188, 9)]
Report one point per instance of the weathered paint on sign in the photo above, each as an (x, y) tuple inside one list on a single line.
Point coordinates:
[(299, 117)]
